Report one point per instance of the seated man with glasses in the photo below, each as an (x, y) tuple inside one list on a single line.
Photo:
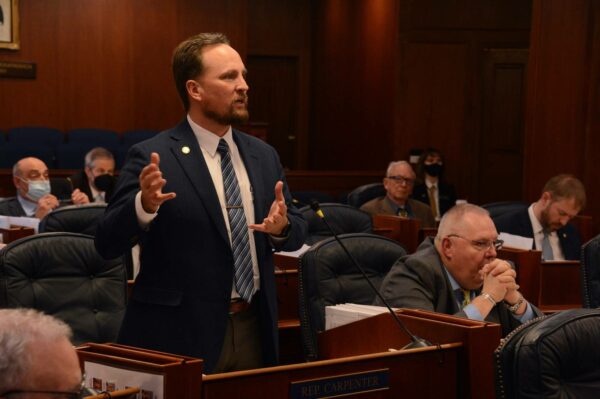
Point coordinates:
[(398, 183), (547, 220), (457, 273), (37, 359)]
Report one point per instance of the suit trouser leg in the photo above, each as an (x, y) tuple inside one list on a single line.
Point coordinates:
[(241, 347)]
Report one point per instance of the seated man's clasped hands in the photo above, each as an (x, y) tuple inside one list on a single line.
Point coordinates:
[(458, 273)]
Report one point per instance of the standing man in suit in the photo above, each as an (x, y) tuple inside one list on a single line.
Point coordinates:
[(398, 183), (457, 273), (547, 220), (207, 204), (96, 179), (34, 199)]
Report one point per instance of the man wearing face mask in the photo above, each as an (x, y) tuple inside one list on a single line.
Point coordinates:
[(431, 188), (30, 177), (97, 178)]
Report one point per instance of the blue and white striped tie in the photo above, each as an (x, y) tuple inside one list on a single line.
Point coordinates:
[(242, 260)]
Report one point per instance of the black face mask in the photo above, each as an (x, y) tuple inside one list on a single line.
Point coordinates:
[(104, 182), (434, 170)]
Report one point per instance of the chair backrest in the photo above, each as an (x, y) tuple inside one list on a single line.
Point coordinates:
[(342, 219), (590, 273), (305, 197), (365, 193), (33, 135), (94, 137), (328, 277), (11, 153), (557, 356), (132, 137), (73, 218), (500, 208), (62, 275)]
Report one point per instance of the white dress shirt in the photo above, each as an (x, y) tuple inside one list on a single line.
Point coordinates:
[(208, 143)]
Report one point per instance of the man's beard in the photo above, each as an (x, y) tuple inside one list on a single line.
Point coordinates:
[(545, 221), (231, 117)]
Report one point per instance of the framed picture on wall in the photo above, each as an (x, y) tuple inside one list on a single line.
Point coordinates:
[(9, 24)]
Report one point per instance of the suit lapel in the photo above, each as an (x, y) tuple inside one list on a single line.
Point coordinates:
[(186, 150)]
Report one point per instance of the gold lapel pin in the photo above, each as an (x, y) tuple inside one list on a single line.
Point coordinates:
[(185, 150)]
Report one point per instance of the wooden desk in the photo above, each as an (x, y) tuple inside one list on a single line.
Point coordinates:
[(404, 231), (378, 333), (15, 232), (409, 375)]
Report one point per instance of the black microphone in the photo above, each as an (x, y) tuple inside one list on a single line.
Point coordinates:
[(416, 342)]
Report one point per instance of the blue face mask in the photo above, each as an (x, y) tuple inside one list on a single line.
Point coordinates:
[(37, 189)]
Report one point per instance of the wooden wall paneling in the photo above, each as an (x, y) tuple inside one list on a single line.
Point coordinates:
[(93, 41), (556, 108), (435, 104), (279, 38), (477, 15), (106, 63), (156, 102), (501, 136), (276, 104), (591, 175), (353, 84), (33, 102), (562, 103)]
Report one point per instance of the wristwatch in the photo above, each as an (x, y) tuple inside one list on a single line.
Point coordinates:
[(513, 308)]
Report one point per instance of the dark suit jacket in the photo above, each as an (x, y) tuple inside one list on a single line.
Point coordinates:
[(446, 192), (180, 300), (80, 180), (418, 281), (11, 207), (380, 205), (518, 223)]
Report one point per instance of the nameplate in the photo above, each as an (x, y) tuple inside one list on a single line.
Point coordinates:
[(341, 385), (22, 70)]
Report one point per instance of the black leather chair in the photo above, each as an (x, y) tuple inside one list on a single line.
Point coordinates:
[(365, 193), (303, 198), (342, 219), (590, 273), (557, 356), (73, 218), (62, 275), (500, 208), (328, 277)]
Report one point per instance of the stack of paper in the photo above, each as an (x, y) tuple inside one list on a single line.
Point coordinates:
[(338, 315)]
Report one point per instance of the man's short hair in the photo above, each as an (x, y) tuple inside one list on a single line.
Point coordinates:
[(393, 164), (452, 221), (21, 330), (16, 170), (565, 186), (95, 153), (187, 60)]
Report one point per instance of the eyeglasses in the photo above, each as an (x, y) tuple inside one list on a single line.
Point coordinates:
[(402, 180), (482, 245), (77, 394)]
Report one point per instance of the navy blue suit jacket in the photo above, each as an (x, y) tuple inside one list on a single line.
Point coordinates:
[(181, 296), (518, 223)]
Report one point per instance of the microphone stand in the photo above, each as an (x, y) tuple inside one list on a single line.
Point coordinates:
[(416, 342)]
